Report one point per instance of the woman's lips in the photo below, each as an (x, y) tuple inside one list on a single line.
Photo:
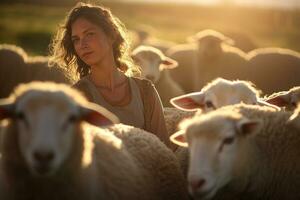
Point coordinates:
[(86, 54)]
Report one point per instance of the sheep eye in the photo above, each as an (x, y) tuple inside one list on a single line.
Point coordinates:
[(294, 104), (69, 120), (20, 116), (209, 104), (228, 140), (72, 118)]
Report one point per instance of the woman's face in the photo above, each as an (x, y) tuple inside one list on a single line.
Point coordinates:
[(90, 42)]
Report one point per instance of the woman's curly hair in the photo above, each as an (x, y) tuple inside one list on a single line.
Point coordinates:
[(62, 49)]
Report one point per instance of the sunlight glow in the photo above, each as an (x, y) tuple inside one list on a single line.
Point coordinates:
[(259, 3)]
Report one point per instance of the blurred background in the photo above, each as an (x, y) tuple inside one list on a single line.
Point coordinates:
[(266, 23)]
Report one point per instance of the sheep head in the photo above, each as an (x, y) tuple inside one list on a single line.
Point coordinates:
[(152, 61), (210, 44), (215, 141), (220, 92), (47, 116)]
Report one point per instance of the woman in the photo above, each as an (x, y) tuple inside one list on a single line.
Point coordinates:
[(92, 44)]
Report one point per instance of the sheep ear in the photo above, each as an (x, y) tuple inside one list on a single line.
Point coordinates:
[(7, 108), (168, 63), (189, 102), (264, 103), (179, 138), (97, 115), (281, 99), (248, 127), (229, 41)]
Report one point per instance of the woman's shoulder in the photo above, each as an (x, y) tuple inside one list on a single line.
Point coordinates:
[(81, 84), (147, 90), (143, 83)]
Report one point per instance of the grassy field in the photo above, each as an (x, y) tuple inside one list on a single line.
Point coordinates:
[(32, 26)]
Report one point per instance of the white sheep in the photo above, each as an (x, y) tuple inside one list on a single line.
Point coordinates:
[(52, 149), (154, 66), (286, 99), (209, 56), (220, 92), (173, 116), (16, 67), (273, 69), (242, 152)]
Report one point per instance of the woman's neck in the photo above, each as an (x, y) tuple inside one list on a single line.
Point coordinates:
[(106, 76)]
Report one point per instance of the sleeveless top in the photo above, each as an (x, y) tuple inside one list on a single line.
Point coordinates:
[(130, 114), (147, 107)]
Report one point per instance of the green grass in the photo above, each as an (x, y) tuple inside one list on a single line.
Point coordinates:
[(33, 26)]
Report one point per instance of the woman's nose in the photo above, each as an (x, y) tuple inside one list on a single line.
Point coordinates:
[(83, 43)]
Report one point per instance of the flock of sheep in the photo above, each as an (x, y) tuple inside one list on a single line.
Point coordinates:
[(233, 143), (210, 54)]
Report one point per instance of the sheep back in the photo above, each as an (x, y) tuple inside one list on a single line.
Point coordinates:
[(275, 172), (156, 158), (281, 65)]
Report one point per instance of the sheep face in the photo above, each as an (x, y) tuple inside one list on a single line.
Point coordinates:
[(210, 44), (47, 123), (149, 64), (214, 142), (217, 94), (152, 62), (209, 48)]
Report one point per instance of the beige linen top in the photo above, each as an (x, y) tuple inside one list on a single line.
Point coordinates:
[(144, 110)]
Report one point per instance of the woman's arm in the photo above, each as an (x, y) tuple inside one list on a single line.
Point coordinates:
[(156, 119)]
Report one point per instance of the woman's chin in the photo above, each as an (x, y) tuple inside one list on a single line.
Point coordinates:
[(90, 62)]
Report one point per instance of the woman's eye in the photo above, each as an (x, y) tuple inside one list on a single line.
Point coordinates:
[(90, 34), (75, 41)]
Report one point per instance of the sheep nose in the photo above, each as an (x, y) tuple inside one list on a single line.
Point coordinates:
[(196, 184), (150, 77), (43, 157)]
